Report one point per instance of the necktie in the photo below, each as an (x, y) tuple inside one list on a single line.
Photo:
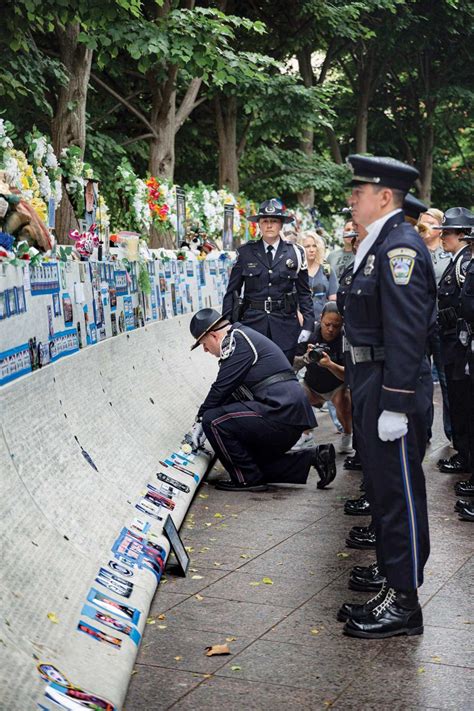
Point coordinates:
[(270, 255)]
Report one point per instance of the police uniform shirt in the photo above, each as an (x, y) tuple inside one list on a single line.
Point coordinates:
[(449, 293), (320, 379), (339, 260), (440, 260), (247, 358)]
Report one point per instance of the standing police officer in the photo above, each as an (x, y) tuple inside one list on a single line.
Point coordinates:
[(453, 230), (274, 277), (389, 313)]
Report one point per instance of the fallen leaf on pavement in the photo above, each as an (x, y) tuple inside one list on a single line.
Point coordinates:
[(314, 631), (254, 583), (343, 555), (150, 621), (217, 649), (230, 639), (235, 667), (244, 556), (52, 617), (196, 577), (161, 617), (218, 515), (203, 496), (178, 659), (421, 670), (267, 581), (199, 597)]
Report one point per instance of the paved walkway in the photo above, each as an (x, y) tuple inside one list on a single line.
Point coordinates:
[(268, 573)]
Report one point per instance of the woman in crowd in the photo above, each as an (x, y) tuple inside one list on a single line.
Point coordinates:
[(322, 280), (323, 357)]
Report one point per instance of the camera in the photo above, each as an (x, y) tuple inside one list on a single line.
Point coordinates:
[(316, 353)]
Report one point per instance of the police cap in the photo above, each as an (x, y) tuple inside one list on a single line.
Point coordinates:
[(386, 172), (271, 208), (412, 207), (203, 322), (457, 218)]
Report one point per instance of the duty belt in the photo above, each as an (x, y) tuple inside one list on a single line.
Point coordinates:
[(245, 392), (364, 354), (268, 305)]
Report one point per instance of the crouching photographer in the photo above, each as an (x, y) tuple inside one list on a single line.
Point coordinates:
[(323, 357)]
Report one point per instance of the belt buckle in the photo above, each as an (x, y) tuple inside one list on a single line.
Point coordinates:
[(267, 306)]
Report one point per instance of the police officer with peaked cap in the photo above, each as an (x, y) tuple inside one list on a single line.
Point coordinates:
[(412, 207), (465, 507), (389, 312), (273, 276), (255, 411), (453, 230)]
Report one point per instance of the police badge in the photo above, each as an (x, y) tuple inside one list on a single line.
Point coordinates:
[(290, 264), (369, 265)]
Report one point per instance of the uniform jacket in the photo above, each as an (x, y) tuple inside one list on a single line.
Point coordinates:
[(247, 359), (449, 296), (260, 281), (391, 302), (467, 314)]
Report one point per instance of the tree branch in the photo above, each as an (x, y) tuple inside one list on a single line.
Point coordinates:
[(125, 103), (113, 108), (188, 102), (129, 141)]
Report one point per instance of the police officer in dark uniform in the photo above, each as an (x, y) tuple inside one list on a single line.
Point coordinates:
[(255, 411), (465, 357), (453, 231), (389, 313), (273, 276)]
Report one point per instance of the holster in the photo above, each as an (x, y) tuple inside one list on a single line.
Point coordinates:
[(447, 319), (237, 306), (290, 303)]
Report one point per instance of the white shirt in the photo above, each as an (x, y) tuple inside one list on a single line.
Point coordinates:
[(275, 246), (373, 231), (453, 256)]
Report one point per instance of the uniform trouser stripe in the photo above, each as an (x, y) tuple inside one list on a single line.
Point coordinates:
[(215, 431), (405, 467)]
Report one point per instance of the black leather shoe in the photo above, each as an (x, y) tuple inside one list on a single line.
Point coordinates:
[(455, 466), (352, 463), (465, 510), (364, 541), (357, 507), (397, 613), (229, 485), (365, 571), (361, 530), (369, 580), (464, 488), (324, 461), (356, 611), (453, 458)]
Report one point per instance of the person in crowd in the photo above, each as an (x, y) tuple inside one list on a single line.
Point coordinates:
[(453, 231), (324, 377), (321, 278), (290, 233), (255, 411), (268, 283), (465, 507), (413, 208), (426, 226), (390, 310), (340, 259)]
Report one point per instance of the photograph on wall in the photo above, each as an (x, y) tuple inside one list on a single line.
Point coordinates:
[(113, 322), (167, 268), (10, 302), (189, 268), (3, 305), (128, 311), (67, 309), (44, 278), (113, 583), (228, 231), (105, 602), (163, 284), (44, 354), (50, 321), (14, 362), (121, 282), (82, 271), (56, 305), (173, 300), (62, 273), (112, 297), (93, 333), (99, 635), (135, 550), (112, 622), (180, 216), (202, 272), (72, 698)]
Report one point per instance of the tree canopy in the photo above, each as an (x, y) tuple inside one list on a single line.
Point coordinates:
[(267, 97)]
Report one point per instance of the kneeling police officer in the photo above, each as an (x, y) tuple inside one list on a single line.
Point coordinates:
[(255, 411)]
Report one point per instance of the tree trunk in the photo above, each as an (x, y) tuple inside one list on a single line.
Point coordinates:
[(362, 117), (426, 163), (163, 120), (226, 124), (306, 196), (68, 126)]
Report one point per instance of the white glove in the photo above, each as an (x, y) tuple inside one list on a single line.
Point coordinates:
[(304, 336), (392, 425), (197, 435)]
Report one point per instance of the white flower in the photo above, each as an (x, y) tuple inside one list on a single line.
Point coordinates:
[(40, 148)]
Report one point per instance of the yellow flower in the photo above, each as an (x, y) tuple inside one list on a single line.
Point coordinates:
[(40, 208)]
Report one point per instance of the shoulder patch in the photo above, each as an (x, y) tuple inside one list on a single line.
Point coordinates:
[(227, 346), (402, 261)]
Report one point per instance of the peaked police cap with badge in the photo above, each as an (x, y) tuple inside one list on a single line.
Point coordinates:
[(271, 208), (457, 218), (386, 172)]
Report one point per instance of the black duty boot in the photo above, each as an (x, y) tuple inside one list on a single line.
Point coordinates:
[(324, 461), (229, 485), (363, 539), (464, 488), (398, 612), (366, 579), (357, 507), (356, 611), (465, 510), (353, 463), (454, 465)]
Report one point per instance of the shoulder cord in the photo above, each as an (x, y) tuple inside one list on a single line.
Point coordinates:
[(255, 354), (460, 278)]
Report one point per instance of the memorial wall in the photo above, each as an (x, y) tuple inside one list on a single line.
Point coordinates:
[(99, 386)]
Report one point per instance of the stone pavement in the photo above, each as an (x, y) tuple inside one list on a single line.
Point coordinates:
[(287, 650)]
